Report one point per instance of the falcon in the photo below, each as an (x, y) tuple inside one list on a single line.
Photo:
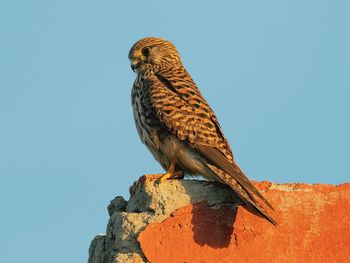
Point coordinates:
[(178, 126)]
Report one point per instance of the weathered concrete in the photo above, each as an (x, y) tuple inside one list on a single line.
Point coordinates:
[(197, 221)]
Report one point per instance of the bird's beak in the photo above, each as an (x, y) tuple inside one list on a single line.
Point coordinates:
[(134, 64)]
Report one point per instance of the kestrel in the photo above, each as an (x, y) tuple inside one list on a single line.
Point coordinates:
[(177, 124)]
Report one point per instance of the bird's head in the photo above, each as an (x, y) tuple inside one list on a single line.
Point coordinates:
[(153, 54)]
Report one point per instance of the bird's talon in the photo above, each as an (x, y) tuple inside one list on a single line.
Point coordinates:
[(164, 177)]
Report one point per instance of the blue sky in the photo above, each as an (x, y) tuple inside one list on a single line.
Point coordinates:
[(275, 72)]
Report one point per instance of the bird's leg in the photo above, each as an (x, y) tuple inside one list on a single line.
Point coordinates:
[(170, 174)]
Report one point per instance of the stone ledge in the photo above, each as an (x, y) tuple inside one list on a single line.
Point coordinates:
[(197, 221)]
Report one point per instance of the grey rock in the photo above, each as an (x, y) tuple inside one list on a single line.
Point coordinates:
[(151, 202), (168, 196), (118, 204), (97, 248)]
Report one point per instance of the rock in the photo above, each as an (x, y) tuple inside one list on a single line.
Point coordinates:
[(168, 196), (129, 258), (150, 203), (198, 221), (97, 248), (314, 226), (118, 204)]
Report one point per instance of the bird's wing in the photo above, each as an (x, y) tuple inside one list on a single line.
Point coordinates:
[(179, 105), (217, 158)]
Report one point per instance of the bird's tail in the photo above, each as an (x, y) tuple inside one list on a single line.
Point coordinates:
[(244, 194), (253, 206)]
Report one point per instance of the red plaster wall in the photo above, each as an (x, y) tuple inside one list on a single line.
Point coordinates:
[(313, 226)]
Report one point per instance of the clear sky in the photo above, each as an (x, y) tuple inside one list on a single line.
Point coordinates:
[(275, 72)]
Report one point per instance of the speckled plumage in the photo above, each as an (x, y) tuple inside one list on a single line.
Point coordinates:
[(176, 123)]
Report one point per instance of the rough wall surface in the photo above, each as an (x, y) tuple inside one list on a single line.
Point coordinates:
[(196, 221)]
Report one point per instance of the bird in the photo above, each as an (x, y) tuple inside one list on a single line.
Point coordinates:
[(178, 126)]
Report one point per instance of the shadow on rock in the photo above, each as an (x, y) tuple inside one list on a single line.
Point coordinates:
[(213, 226)]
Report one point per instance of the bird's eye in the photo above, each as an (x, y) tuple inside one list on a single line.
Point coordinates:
[(145, 51)]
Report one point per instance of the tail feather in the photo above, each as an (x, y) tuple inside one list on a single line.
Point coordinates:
[(230, 168), (244, 194), (254, 207)]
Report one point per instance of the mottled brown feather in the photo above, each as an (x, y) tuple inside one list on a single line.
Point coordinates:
[(167, 103)]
